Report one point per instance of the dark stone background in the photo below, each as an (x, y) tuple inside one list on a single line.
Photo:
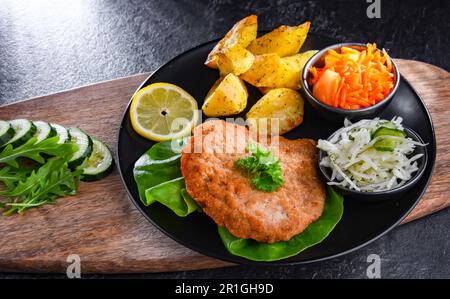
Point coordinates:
[(51, 46)]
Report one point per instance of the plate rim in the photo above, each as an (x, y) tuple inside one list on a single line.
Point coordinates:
[(282, 262)]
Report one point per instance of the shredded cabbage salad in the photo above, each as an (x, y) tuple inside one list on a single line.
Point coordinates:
[(370, 155)]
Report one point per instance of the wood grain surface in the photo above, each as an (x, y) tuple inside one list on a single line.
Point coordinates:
[(101, 224)]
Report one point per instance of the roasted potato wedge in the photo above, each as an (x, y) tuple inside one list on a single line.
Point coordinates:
[(272, 71), (284, 41), (242, 33), (276, 113), (227, 96), (266, 71), (234, 59), (294, 67), (299, 60)]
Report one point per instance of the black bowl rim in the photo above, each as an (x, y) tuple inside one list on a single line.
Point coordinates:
[(350, 112), (411, 133), (242, 260)]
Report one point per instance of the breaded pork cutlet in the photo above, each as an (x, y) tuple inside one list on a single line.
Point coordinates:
[(228, 196)]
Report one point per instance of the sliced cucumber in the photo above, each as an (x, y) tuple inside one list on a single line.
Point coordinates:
[(385, 131), (384, 124), (43, 130), (62, 133), (23, 130), (6, 132), (99, 164), (385, 143), (84, 143)]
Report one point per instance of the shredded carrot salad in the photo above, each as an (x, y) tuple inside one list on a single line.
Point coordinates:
[(353, 79)]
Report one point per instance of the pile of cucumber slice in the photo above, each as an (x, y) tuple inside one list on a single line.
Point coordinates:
[(93, 156)]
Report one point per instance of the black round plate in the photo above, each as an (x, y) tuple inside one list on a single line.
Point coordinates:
[(362, 222)]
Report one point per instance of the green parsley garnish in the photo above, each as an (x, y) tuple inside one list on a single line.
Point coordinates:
[(264, 167)]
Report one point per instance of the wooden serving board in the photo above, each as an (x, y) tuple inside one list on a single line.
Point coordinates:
[(101, 224)]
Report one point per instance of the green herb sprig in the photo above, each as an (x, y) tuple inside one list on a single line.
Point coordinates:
[(264, 167)]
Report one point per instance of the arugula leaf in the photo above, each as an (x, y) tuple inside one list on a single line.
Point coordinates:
[(34, 151), (54, 179), (10, 176), (264, 166), (34, 179)]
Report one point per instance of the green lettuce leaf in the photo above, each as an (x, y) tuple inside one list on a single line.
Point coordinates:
[(173, 195), (315, 233), (161, 163), (158, 176), (167, 149)]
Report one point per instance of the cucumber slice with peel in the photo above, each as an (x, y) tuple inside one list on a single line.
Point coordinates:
[(84, 143), (99, 164), (23, 131), (6, 132), (385, 143), (385, 131), (62, 133), (43, 131)]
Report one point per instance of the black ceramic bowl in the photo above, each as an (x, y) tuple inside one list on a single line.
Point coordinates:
[(389, 194), (337, 114)]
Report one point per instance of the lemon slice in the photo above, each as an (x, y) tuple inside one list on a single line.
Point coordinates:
[(163, 111)]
